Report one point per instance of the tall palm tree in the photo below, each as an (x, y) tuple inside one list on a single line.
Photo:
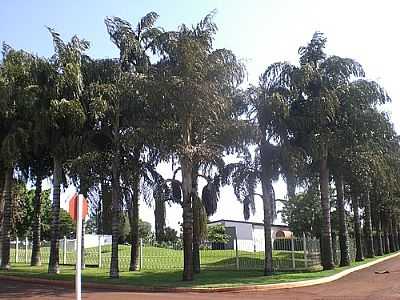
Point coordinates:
[(134, 44), (67, 117), (356, 119), (15, 99), (36, 161), (197, 85), (315, 87), (269, 106)]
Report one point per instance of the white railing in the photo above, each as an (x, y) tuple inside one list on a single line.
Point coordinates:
[(288, 254)]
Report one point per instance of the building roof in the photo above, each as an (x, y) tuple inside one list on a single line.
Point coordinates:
[(247, 222)]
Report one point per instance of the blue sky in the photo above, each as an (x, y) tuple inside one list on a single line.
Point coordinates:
[(259, 32)]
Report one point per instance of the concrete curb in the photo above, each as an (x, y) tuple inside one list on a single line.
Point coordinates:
[(265, 287)]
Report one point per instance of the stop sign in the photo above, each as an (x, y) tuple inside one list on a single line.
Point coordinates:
[(73, 207)]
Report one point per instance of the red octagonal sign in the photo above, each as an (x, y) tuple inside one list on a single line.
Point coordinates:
[(73, 207)]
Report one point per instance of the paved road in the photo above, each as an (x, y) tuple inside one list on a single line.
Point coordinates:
[(364, 284)]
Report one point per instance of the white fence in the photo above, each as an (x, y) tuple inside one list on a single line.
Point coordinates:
[(288, 254)]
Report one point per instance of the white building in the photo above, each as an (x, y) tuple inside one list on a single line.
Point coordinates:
[(250, 235)]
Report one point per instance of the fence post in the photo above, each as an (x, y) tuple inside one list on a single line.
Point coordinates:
[(141, 255), (16, 249), (305, 250), (99, 249), (26, 249), (237, 253), (65, 250), (293, 258)]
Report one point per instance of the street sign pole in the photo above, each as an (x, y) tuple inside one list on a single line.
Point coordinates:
[(78, 279)]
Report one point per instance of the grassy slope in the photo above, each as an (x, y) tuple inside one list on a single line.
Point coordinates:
[(156, 258), (173, 278)]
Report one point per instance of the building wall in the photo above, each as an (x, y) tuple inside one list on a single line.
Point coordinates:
[(243, 231), (258, 232), (251, 236), (92, 240)]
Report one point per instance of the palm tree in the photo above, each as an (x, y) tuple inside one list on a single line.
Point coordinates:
[(15, 98), (134, 45), (36, 161), (197, 84), (314, 90), (67, 117), (356, 117), (269, 108), (245, 175)]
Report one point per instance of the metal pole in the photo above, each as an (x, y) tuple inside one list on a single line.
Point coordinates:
[(16, 249), (78, 249), (65, 250), (305, 250), (141, 255), (293, 259), (26, 249), (99, 249)]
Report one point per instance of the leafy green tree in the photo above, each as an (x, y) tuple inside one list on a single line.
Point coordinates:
[(303, 213), (145, 232), (170, 235), (24, 213), (217, 234)]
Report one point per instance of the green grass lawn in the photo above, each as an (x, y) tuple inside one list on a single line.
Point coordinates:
[(165, 259), (207, 278)]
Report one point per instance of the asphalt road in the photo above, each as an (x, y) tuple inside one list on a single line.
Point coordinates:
[(363, 284)]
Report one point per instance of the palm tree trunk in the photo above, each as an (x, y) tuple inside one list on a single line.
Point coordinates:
[(134, 223), (395, 236), (369, 253), (35, 258), (187, 215), (159, 219), (398, 234), (54, 267), (115, 205), (267, 192), (326, 239), (334, 247), (391, 238), (196, 221), (6, 224), (386, 243), (343, 233), (357, 228), (379, 234), (2, 179), (267, 200), (106, 211), (291, 185), (196, 233)]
